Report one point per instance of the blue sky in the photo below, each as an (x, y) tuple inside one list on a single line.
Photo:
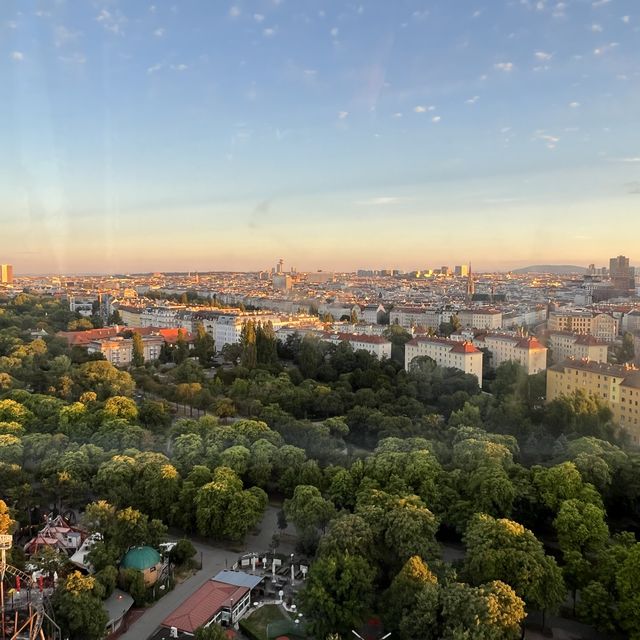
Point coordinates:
[(210, 135)]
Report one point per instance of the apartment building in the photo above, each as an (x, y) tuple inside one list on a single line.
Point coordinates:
[(609, 382), (524, 318), (566, 345), (527, 351), (486, 319), (162, 317), (600, 325), (375, 345), (131, 316), (82, 305), (446, 353), (119, 351), (631, 321), (408, 317), (372, 313), (627, 412)]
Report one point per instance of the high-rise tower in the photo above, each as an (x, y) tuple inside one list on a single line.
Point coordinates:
[(6, 273)]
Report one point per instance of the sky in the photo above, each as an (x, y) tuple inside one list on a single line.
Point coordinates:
[(213, 135)]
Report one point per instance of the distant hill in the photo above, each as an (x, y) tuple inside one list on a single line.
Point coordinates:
[(558, 269)]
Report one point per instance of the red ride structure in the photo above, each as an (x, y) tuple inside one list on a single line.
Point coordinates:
[(25, 613)]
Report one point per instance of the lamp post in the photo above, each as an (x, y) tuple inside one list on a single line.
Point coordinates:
[(292, 572)]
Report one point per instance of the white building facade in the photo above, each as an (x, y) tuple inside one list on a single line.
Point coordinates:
[(446, 353)]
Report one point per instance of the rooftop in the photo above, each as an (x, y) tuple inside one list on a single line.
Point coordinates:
[(203, 605), (617, 370), (238, 579)]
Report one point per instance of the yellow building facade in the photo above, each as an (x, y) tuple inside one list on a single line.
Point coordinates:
[(616, 385)]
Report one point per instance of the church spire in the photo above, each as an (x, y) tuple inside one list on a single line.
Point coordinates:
[(471, 289)]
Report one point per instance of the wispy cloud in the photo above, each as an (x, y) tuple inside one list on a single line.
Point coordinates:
[(436, 119), (550, 140), (504, 66), (159, 32), (627, 160), (605, 48), (258, 17), (154, 69), (574, 105), (234, 11), (112, 22), (423, 109), (62, 36), (382, 201), (18, 56), (179, 67), (269, 32), (543, 56), (597, 28), (343, 115), (600, 3), (633, 187), (473, 100), (74, 58)]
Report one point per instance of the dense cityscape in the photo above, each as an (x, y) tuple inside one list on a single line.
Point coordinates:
[(318, 455), (320, 320)]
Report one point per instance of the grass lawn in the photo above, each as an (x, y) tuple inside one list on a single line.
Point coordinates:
[(257, 622)]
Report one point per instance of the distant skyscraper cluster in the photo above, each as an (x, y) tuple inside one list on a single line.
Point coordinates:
[(621, 274), (6, 274)]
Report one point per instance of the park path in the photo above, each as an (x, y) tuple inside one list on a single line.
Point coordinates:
[(214, 559)]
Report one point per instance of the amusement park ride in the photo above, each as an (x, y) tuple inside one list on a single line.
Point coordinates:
[(25, 612)]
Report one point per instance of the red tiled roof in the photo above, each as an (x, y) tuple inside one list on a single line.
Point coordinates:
[(356, 337), (203, 605), (456, 345), (83, 338), (464, 347)]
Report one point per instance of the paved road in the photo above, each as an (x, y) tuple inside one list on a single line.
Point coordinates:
[(213, 560)]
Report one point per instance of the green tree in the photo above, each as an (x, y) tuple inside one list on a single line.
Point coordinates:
[(212, 632), (7, 523), (120, 407), (338, 594), (224, 510), (492, 611), (626, 351), (404, 614), (581, 527), (115, 318), (137, 353), (78, 608), (204, 346), (182, 552), (504, 550), (308, 509), (249, 354), (627, 580), (104, 379), (266, 344), (348, 533), (597, 607)]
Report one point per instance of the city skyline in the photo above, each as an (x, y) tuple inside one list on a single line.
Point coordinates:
[(197, 137)]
